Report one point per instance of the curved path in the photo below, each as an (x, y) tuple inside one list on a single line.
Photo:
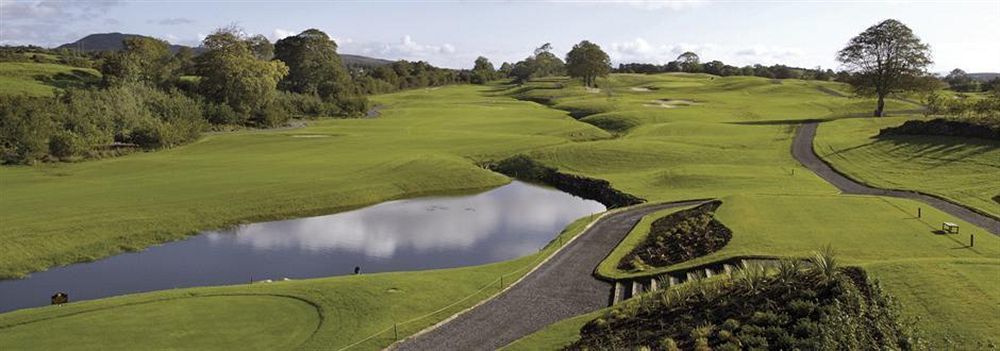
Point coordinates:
[(802, 150), (562, 287)]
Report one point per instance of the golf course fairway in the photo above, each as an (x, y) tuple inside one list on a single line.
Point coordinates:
[(729, 140)]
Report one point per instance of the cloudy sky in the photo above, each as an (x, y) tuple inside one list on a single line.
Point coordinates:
[(452, 33)]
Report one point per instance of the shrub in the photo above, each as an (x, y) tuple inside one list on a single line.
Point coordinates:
[(678, 237), (848, 312)]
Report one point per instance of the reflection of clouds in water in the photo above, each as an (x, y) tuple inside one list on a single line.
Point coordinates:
[(429, 224)]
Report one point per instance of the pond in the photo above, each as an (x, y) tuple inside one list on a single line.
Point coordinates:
[(422, 233)]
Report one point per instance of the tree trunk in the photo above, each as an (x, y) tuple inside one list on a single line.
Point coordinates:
[(881, 105)]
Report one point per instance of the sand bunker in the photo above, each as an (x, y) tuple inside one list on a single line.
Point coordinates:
[(311, 136), (670, 103), (639, 89), (593, 90)]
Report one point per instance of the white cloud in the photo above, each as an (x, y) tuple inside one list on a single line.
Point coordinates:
[(672, 5), (769, 55), (406, 48), (642, 51), (279, 34), (51, 23)]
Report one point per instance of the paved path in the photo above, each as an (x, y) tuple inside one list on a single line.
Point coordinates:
[(560, 288), (802, 150)]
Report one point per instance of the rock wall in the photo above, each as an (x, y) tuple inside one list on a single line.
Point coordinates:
[(524, 168)]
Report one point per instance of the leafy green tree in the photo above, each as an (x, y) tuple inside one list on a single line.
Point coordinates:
[(958, 80), (483, 71), (884, 59), (183, 60), (142, 59), (689, 62), (314, 67), (232, 74), (505, 69), (587, 61)]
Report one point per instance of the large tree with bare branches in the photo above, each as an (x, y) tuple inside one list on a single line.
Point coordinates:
[(886, 58)]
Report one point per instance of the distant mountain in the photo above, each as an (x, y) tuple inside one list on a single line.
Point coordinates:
[(984, 76), (107, 42), (113, 42), (358, 60)]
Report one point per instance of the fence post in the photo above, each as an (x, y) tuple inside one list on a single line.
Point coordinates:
[(395, 333)]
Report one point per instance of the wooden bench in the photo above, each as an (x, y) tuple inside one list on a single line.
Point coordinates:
[(949, 227)]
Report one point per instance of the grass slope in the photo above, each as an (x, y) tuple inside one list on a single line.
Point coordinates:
[(63, 213), (732, 142), (350, 310), (961, 169), (42, 79)]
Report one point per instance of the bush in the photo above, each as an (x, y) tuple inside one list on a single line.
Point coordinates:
[(848, 311), (305, 105), (271, 116), (80, 120)]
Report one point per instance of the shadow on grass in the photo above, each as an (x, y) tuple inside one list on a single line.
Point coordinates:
[(76, 78), (944, 150)]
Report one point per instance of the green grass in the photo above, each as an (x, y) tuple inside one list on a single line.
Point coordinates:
[(42, 79), (960, 169), (555, 336), (733, 144), (260, 322), (320, 314), (57, 214)]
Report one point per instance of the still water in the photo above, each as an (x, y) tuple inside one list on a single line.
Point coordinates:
[(422, 233)]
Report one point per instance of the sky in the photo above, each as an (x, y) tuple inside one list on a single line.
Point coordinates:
[(452, 33)]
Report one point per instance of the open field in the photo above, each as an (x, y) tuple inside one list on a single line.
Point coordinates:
[(731, 142), (57, 214), (963, 170), (42, 79)]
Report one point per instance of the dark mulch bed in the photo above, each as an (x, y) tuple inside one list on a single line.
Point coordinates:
[(679, 237)]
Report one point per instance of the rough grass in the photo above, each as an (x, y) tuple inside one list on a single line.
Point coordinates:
[(42, 79), (961, 169)]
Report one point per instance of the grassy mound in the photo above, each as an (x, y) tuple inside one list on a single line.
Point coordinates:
[(821, 307), (946, 127), (259, 322), (42, 79), (956, 168), (679, 237)]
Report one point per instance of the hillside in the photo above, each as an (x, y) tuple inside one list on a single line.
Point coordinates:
[(107, 42), (113, 42)]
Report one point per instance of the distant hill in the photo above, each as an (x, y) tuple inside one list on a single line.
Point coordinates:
[(113, 42), (984, 76), (358, 60), (107, 42)]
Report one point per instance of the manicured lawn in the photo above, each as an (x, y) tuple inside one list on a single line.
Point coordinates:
[(425, 142), (42, 79), (961, 169), (731, 142), (319, 314), (259, 322)]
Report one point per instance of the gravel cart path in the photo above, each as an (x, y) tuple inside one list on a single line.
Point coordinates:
[(802, 150), (560, 288)]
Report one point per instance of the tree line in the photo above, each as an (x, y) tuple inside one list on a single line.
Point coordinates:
[(149, 97)]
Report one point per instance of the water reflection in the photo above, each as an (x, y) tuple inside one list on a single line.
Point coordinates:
[(423, 233)]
